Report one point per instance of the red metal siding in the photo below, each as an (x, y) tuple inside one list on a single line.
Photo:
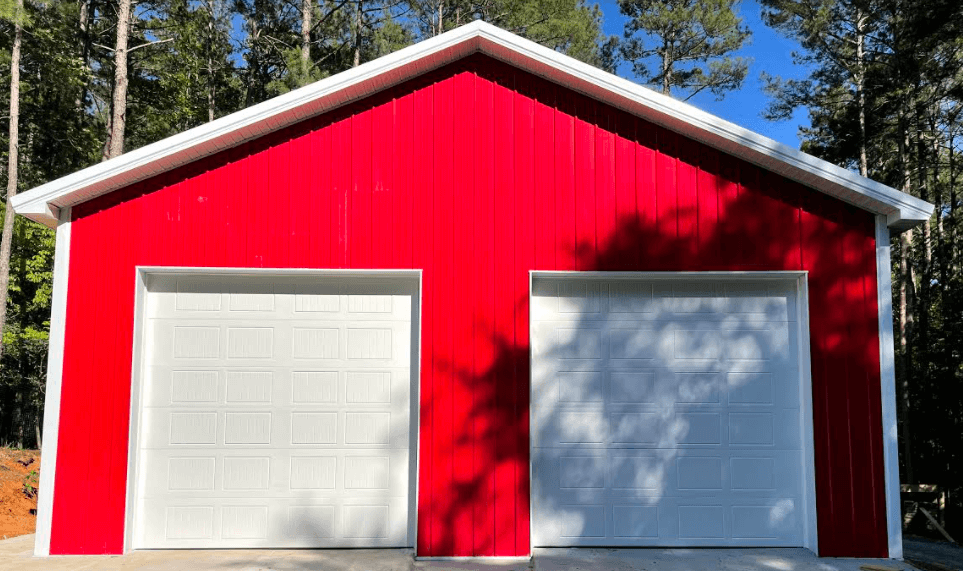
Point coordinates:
[(475, 174)]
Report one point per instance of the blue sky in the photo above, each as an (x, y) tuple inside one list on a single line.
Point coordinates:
[(769, 51)]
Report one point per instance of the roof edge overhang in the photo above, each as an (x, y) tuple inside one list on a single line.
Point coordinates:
[(42, 204)]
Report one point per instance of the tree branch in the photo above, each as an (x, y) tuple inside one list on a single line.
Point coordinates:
[(154, 43)]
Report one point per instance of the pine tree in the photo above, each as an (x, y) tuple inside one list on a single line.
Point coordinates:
[(690, 42)]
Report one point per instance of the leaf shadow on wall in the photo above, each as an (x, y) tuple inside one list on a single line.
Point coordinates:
[(753, 237)]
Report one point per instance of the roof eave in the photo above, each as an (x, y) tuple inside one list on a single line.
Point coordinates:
[(42, 203)]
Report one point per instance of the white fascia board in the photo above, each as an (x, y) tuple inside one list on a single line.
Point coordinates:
[(902, 209), (40, 204)]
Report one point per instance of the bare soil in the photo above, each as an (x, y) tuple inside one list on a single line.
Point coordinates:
[(18, 510)]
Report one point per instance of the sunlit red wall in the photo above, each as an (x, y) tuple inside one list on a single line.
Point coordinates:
[(476, 174)]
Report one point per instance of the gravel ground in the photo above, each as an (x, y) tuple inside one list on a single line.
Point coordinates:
[(932, 555)]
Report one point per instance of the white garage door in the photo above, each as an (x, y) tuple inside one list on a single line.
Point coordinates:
[(666, 412), (275, 413)]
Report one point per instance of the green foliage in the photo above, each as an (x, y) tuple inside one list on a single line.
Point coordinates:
[(685, 44), (30, 484), (569, 26), (11, 12)]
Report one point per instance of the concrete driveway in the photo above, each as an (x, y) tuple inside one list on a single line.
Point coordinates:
[(16, 555)]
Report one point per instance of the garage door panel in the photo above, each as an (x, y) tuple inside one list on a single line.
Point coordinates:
[(275, 474), (202, 341), (633, 343), (639, 300), (276, 412), (274, 428), (215, 293), (297, 386), (690, 522), (680, 425), (683, 427), (293, 522), (595, 473)]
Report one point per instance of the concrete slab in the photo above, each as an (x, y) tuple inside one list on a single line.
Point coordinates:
[(741, 559), (17, 555)]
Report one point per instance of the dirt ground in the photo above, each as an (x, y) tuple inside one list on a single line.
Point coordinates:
[(17, 510)]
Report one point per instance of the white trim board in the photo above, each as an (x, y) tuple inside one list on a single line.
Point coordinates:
[(887, 385), (800, 281), (407, 281), (42, 203), (55, 369)]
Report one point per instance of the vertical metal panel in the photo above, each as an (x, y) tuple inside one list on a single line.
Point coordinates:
[(524, 143), (484, 426), (443, 432), (422, 257), (463, 400), (475, 174), (506, 349)]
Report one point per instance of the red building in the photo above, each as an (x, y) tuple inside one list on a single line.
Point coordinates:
[(473, 297)]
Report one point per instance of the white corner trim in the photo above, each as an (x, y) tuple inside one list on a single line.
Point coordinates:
[(141, 284), (41, 203), (55, 367), (415, 430), (806, 420), (887, 381)]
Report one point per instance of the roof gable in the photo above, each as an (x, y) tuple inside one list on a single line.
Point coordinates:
[(43, 203)]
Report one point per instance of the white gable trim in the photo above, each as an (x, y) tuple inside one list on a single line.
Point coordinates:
[(42, 203)]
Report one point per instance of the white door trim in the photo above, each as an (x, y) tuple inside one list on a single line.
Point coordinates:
[(887, 383), (55, 371), (800, 280), (142, 285)]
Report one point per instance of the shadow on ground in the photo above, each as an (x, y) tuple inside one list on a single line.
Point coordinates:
[(932, 555)]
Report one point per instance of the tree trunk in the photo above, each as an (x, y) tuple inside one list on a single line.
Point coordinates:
[(211, 91), (357, 33), (84, 23), (666, 72), (924, 191), (118, 117), (211, 80), (6, 241), (860, 88), (951, 217), (905, 316), (254, 64), (307, 7)]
